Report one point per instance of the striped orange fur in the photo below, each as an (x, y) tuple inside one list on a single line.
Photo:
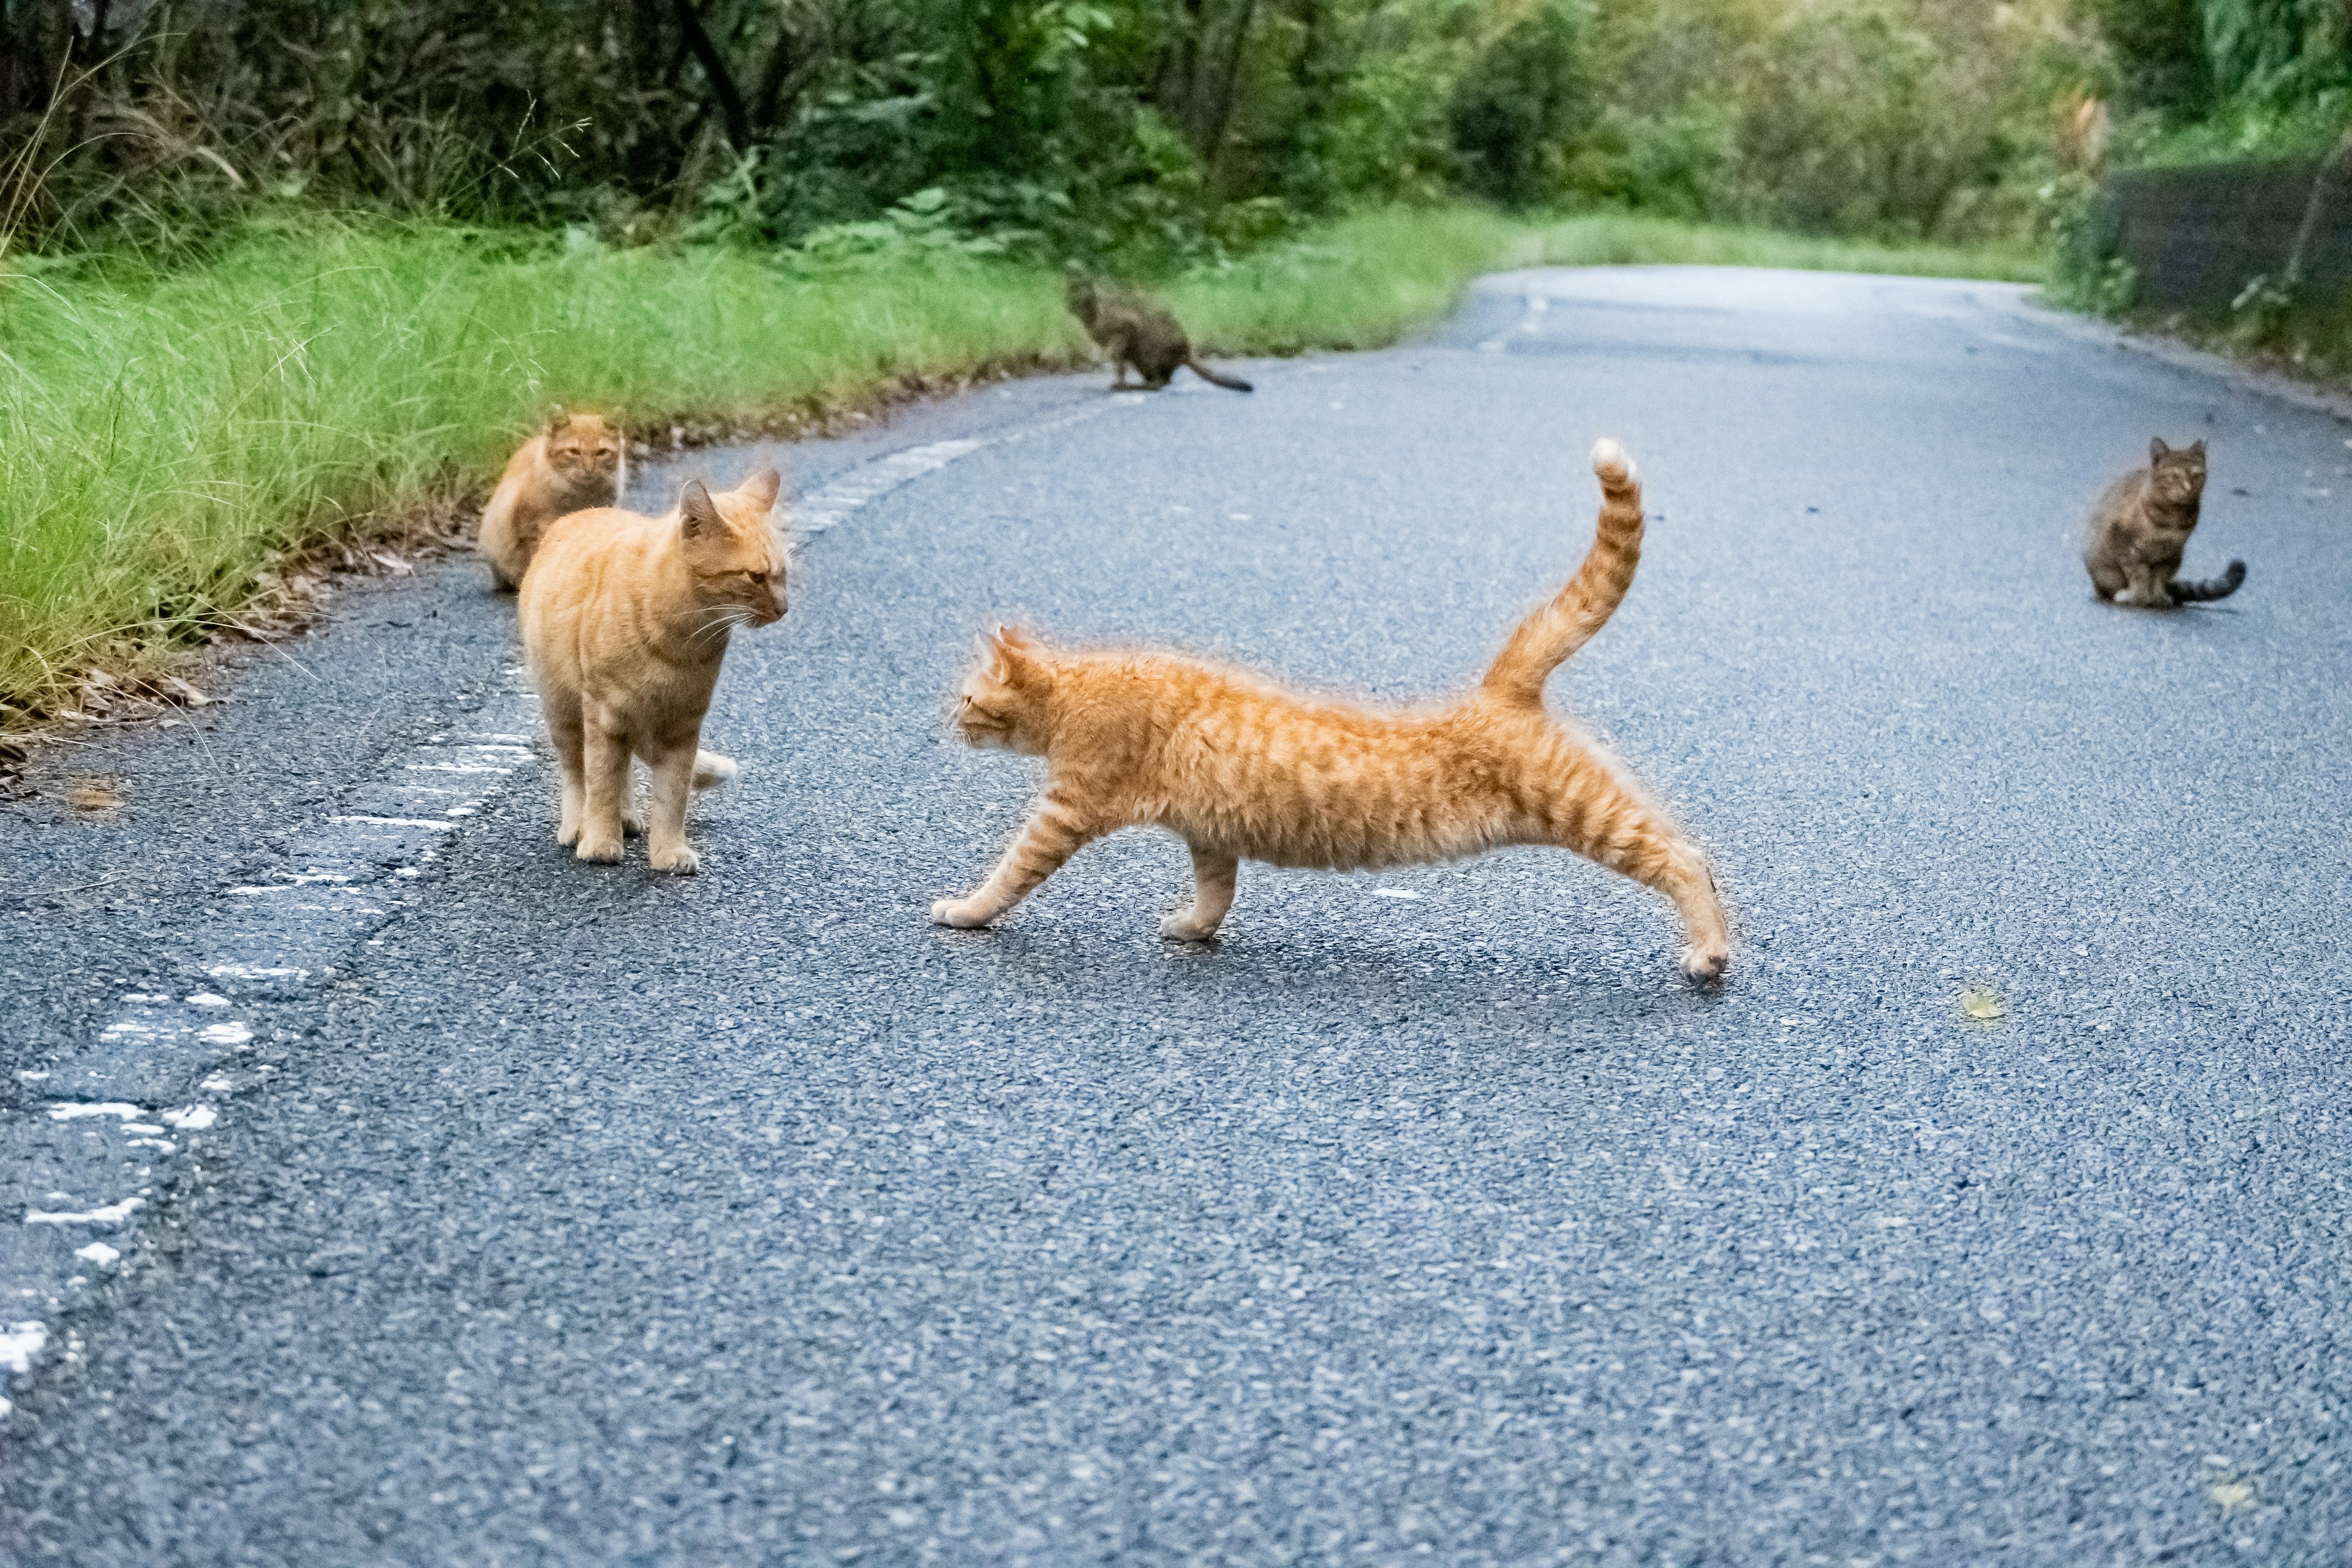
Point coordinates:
[(625, 620), (1241, 769)]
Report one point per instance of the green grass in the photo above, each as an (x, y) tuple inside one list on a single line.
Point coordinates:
[(1627, 241), (163, 437)]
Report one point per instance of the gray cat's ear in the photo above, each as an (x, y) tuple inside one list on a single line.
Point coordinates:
[(2196, 448), (2158, 451), (698, 518)]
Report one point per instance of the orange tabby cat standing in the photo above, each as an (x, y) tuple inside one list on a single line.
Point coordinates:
[(1241, 769), (577, 462), (625, 622)]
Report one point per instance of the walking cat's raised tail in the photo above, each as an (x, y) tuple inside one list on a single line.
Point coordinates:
[(1544, 640), (1243, 769)]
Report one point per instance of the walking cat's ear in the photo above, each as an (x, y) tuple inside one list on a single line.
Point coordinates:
[(762, 488), (2158, 451), (1012, 653)]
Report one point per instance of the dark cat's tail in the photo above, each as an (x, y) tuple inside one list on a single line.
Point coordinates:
[(1546, 637), (2220, 587), (1230, 383)]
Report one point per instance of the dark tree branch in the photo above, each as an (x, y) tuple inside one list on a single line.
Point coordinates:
[(2324, 193), (1221, 111), (714, 71)]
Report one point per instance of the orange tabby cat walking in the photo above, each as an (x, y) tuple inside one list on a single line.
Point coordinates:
[(1241, 769), (576, 462), (625, 621)]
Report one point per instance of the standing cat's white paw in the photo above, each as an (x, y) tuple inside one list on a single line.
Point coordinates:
[(679, 858), (960, 913), (602, 851)]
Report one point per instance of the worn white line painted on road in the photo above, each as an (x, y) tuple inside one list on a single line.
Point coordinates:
[(354, 867), (1532, 309), (832, 505)]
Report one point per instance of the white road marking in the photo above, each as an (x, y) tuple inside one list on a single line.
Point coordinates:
[(109, 1213), (1532, 309), (354, 868)]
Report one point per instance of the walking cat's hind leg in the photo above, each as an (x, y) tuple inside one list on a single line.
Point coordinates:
[(1213, 875), (1614, 830), (1056, 830)]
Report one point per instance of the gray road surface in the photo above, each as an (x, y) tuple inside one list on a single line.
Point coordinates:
[(570, 1215)]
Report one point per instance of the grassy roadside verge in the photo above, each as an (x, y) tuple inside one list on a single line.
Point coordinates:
[(163, 439)]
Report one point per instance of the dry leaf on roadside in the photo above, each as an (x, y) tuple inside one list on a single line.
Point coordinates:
[(1980, 1002), (92, 795)]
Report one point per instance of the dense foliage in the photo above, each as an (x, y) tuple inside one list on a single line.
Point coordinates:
[(1150, 128), (2220, 78)]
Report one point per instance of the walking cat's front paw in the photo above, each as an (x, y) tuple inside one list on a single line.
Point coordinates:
[(1706, 965), (1183, 925), (679, 858), (963, 914)]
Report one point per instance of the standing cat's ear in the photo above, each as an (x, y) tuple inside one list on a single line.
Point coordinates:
[(698, 518), (2196, 448), (2158, 451), (557, 419), (762, 488)]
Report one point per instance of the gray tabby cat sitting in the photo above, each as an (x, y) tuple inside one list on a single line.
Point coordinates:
[(1135, 332), (2141, 528)]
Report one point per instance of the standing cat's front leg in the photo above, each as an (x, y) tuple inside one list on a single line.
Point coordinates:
[(1056, 830), (1213, 875), (605, 792), (563, 733), (672, 770), (2149, 590)]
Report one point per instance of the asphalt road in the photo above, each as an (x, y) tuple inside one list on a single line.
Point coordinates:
[(575, 1215)]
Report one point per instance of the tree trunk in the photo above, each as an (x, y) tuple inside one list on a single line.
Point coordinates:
[(2327, 191), (714, 69)]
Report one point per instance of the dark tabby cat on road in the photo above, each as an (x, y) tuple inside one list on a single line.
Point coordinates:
[(1135, 332), (2142, 527)]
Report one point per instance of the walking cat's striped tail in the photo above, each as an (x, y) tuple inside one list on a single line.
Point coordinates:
[(1546, 637), (2220, 587)]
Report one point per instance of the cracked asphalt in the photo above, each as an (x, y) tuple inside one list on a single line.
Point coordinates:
[(1995, 1210)]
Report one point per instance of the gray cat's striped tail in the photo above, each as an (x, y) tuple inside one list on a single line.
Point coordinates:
[(2220, 587), (1230, 383), (1546, 637)]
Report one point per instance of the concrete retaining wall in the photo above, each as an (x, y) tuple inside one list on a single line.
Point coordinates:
[(2196, 236)]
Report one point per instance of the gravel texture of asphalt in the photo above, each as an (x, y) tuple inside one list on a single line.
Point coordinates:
[(1995, 1210)]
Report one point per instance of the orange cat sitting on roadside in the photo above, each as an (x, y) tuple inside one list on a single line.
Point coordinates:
[(578, 461), (625, 621), (1241, 769)]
